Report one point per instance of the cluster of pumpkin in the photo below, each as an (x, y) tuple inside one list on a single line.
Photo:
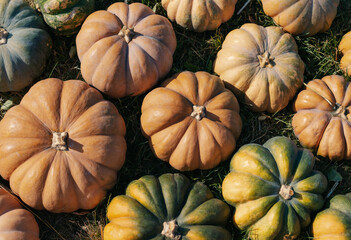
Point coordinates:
[(65, 143)]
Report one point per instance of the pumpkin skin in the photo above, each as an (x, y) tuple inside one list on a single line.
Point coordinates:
[(24, 45), (126, 49), (345, 49), (262, 65), (62, 146), (334, 222), (65, 16), (324, 126), (199, 15), (302, 17), (16, 223), (273, 189), (168, 207), (192, 121)]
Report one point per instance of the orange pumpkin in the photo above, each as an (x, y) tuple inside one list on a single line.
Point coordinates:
[(126, 49), (192, 121), (62, 146), (345, 49)]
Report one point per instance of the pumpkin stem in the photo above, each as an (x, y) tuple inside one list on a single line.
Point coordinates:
[(266, 60), (59, 141), (127, 33), (199, 112), (170, 230), (340, 111), (3, 35), (286, 192)]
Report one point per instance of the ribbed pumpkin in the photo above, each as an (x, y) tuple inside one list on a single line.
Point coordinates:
[(168, 207), (334, 223), (345, 49), (199, 15), (323, 119), (24, 45), (262, 65), (302, 17), (126, 49), (16, 223), (62, 146), (273, 189), (65, 16), (192, 121)]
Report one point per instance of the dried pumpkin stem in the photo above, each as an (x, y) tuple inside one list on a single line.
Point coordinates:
[(3, 35), (266, 60), (127, 33), (286, 192), (199, 112), (59, 141), (170, 230), (340, 111)]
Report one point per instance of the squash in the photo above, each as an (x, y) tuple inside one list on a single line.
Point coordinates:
[(273, 189), (168, 207), (65, 16), (334, 222), (16, 223), (345, 49), (199, 15), (62, 146), (126, 49), (302, 17), (191, 121), (322, 119), (24, 45), (261, 65)]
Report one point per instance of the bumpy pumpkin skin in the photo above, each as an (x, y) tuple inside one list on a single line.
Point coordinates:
[(273, 189), (262, 65), (334, 223), (16, 223), (192, 121), (49, 170), (302, 17), (322, 121), (168, 207), (199, 15), (65, 16), (345, 49), (126, 49), (24, 45)]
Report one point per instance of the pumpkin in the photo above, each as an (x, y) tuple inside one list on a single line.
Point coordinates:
[(65, 16), (168, 207), (126, 49), (273, 189), (62, 146), (345, 49), (302, 17), (261, 65), (192, 121), (24, 45), (322, 119), (16, 223), (199, 15), (334, 222)]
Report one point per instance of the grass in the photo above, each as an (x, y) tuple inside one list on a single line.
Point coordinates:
[(195, 52)]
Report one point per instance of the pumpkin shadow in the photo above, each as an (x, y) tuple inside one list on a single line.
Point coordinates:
[(74, 145)]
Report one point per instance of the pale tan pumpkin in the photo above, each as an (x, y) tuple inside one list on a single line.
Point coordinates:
[(126, 49), (345, 49), (302, 17), (262, 64), (62, 146), (192, 121), (16, 223), (199, 15), (323, 119)]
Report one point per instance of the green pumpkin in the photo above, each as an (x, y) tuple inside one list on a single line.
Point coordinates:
[(273, 189), (168, 207), (65, 16), (24, 45)]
